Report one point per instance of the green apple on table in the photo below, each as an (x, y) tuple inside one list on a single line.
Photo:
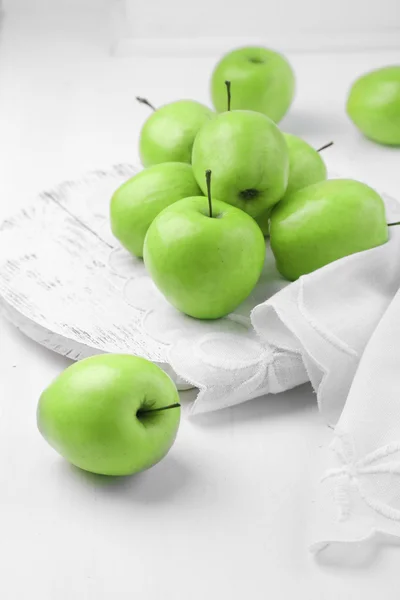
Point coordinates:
[(323, 222), (139, 200), (111, 414), (248, 157), (262, 80), (306, 166), (205, 257), (168, 133), (373, 105)]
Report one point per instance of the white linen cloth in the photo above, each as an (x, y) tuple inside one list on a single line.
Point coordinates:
[(344, 320)]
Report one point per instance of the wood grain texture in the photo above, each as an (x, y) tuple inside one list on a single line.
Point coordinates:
[(57, 283)]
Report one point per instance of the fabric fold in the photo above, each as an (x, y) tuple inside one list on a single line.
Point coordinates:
[(359, 492)]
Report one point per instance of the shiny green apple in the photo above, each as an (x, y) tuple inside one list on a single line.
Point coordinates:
[(168, 133), (306, 166), (139, 200), (323, 222), (248, 157), (261, 80), (374, 105), (110, 414), (204, 265)]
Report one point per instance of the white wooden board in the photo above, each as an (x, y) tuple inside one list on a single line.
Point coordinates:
[(66, 282)]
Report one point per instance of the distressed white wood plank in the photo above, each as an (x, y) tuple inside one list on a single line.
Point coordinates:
[(57, 282)]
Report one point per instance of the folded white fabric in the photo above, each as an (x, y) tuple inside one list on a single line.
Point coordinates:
[(360, 493), (344, 320)]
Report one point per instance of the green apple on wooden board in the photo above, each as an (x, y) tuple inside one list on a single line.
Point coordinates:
[(168, 133), (248, 157), (374, 105), (262, 80), (139, 200), (205, 257), (110, 414), (306, 166), (323, 222)]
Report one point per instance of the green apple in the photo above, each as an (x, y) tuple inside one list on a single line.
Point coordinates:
[(168, 134), (261, 79), (263, 222), (306, 166), (205, 259), (111, 414), (138, 201), (374, 105), (248, 157), (323, 222)]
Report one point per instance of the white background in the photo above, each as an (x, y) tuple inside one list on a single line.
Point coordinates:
[(229, 513), (260, 17), (293, 24)]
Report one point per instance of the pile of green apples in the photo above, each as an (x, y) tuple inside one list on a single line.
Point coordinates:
[(217, 183)]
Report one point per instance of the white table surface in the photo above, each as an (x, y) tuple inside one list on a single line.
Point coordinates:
[(228, 514)]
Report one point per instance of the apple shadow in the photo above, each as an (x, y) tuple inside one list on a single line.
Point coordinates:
[(267, 407), (356, 555), (158, 484)]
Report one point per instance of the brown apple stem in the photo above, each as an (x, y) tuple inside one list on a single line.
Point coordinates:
[(228, 91), (146, 102), (153, 410), (325, 147), (393, 224), (208, 181)]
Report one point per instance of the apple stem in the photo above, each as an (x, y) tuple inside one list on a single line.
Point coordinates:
[(153, 410), (228, 91), (325, 147), (146, 102), (208, 180), (393, 224)]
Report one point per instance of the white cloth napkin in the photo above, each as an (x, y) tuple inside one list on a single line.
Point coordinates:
[(344, 320)]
